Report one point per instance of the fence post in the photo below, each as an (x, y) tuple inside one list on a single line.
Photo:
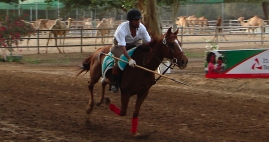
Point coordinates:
[(217, 38), (181, 38), (81, 36), (230, 23), (262, 30), (37, 40)]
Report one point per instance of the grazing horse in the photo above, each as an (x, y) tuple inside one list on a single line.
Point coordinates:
[(134, 81)]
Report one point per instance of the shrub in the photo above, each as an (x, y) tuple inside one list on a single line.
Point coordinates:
[(13, 28)]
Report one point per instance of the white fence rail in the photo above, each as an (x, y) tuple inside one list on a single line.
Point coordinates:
[(86, 38)]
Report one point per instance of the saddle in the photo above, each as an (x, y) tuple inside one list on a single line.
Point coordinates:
[(108, 61)]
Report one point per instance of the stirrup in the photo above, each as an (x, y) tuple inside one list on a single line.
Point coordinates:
[(114, 88)]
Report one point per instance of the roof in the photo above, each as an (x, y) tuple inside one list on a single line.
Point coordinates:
[(33, 5), (203, 1)]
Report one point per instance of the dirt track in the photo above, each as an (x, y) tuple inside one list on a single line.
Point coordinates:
[(43, 102)]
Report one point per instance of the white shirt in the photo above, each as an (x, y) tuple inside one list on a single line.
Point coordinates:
[(123, 34)]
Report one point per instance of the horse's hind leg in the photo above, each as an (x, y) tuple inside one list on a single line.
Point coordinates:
[(90, 104), (95, 75), (103, 92), (124, 104)]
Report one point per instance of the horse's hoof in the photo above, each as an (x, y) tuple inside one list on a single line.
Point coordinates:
[(89, 109), (141, 136), (136, 134), (87, 122), (99, 103), (107, 101)]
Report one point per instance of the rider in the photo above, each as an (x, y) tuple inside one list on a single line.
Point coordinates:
[(128, 33)]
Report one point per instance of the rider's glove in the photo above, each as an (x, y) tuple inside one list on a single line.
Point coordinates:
[(132, 63)]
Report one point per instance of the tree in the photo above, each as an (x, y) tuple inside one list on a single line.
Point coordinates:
[(12, 29), (149, 9), (264, 5), (11, 1), (151, 18), (265, 9)]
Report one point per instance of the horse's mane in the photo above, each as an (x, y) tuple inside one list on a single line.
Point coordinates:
[(152, 43), (155, 39)]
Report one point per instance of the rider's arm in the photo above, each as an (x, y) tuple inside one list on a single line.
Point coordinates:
[(124, 51), (145, 35), (120, 37)]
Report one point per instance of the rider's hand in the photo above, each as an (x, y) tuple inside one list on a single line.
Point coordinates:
[(132, 63)]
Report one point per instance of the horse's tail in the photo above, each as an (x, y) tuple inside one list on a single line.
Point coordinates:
[(85, 65)]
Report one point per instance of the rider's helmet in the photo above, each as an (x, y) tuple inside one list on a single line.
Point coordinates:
[(134, 14)]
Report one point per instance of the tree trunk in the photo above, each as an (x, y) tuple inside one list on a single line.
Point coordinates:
[(265, 9), (141, 6), (175, 12), (151, 18)]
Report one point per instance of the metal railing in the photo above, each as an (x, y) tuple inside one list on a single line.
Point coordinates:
[(85, 38)]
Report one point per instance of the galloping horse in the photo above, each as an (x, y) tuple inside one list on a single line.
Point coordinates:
[(134, 81)]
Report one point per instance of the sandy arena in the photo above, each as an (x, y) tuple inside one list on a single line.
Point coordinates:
[(42, 101)]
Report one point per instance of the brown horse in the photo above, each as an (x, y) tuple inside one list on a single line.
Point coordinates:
[(134, 81)]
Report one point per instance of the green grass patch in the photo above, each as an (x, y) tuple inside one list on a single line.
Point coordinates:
[(56, 61), (32, 61), (194, 55), (11, 59), (44, 61)]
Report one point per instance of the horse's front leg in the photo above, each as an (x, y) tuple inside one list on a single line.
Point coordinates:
[(139, 100)]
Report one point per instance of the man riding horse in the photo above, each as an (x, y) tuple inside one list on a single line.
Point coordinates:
[(148, 56), (128, 34)]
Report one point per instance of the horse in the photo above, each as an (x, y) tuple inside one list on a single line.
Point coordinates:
[(134, 81)]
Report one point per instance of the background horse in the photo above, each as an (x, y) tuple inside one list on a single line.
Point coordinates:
[(134, 81)]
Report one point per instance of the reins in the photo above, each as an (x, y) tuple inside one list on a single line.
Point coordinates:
[(165, 71), (147, 69), (174, 60)]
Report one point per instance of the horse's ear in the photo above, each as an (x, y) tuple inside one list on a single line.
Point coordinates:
[(169, 30), (175, 33)]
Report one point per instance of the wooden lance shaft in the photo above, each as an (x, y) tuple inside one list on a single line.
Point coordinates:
[(148, 70)]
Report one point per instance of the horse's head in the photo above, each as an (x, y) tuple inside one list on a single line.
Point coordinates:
[(173, 50)]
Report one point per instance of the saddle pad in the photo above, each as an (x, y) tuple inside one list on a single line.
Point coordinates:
[(122, 64), (109, 61)]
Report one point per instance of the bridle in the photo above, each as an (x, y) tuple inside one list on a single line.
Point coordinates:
[(173, 60), (164, 42)]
